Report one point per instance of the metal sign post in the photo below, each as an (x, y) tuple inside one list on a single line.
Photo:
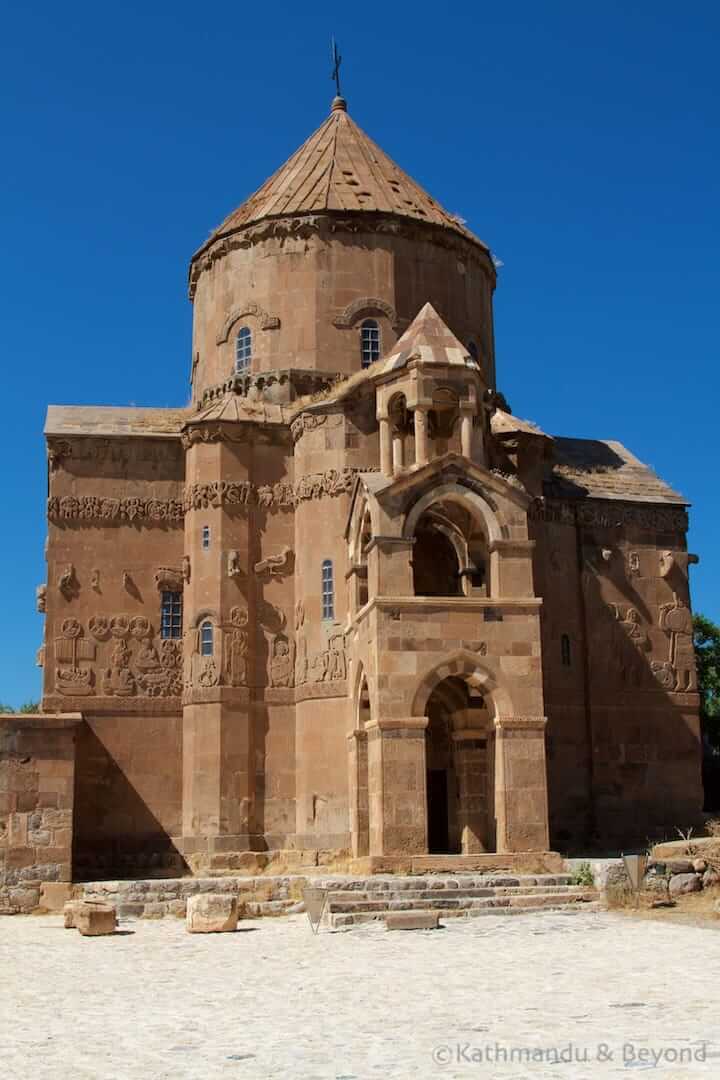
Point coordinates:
[(314, 899), (635, 867)]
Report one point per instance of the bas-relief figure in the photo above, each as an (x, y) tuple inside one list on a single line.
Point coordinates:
[(345, 431)]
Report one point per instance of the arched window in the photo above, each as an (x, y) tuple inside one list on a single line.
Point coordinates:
[(328, 590), (206, 639), (369, 342), (243, 349), (473, 350), (565, 650)]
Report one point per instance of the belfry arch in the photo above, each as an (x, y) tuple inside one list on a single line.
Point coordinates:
[(451, 528)]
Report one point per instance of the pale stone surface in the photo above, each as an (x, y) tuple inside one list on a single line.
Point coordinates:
[(54, 895), (170, 1004), (211, 913)]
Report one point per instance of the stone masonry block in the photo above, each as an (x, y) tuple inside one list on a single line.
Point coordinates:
[(95, 920), (412, 920), (211, 913)]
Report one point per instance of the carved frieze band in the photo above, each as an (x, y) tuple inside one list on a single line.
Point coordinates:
[(309, 225), (610, 515), (234, 494), (101, 508)]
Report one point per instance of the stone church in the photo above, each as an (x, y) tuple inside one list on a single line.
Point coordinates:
[(346, 603)]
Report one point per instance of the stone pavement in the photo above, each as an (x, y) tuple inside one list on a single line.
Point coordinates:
[(272, 1000)]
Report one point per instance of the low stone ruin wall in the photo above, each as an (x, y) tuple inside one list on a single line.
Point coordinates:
[(37, 774)]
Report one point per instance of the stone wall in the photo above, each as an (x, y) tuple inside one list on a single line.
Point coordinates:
[(37, 775)]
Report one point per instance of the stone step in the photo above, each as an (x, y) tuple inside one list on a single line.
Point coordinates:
[(460, 881), (498, 906), (343, 897), (408, 902)]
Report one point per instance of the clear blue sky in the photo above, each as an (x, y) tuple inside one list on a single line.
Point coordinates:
[(579, 141)]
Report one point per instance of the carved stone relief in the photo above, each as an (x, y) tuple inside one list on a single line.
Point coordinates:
[(234, 569), (281, 662), (236, 643), (301, 654), (41, 598), (275, 565), (168, 579), (676, 622), (67, 583), (72, 650), (306, 421), (134, 664), (212, 433), (330, 664)]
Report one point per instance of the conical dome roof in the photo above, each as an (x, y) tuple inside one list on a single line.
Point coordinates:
[(340, 169)]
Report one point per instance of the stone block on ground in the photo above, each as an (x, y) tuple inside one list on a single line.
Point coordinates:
[(95, 920), (211, 913), (685, 883), (412, 920)]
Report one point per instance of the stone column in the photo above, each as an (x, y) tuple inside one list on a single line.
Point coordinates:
[(397, 786), (358, 793), (397, 452), (421, 447), (386, 458), (466, 432), (521, 804), (470, 756)]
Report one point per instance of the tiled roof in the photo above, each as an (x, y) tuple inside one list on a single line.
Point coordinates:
[(339, 168), (107, 420), (603, 469), (428, 340)]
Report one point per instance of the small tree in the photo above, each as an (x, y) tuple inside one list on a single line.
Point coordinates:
[(6, 708), (30, 707), (706, 638)]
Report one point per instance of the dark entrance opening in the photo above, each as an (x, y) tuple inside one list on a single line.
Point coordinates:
[(437, 803)]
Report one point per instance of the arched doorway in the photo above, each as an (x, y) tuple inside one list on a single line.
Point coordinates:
[(460, 769)]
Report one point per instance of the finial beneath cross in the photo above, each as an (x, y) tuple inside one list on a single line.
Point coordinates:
[(337, 61)]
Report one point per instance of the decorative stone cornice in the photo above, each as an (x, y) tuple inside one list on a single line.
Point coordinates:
[(305, 226), (267, 322), (280, 386)]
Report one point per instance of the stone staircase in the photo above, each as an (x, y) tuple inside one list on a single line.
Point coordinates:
[(353, 903)]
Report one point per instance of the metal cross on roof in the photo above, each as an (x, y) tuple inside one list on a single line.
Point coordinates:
[(337, 61)]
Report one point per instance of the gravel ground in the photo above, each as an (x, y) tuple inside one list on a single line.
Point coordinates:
[(491, 997)]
